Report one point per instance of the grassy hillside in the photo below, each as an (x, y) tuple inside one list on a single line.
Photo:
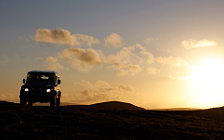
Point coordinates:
[(98, 122)]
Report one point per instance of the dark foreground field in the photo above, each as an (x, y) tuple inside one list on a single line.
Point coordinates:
[(113, 120)]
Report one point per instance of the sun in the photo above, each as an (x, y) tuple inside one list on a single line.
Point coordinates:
[(207, 83)]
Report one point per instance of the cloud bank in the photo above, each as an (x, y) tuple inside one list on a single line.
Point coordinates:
[(152, 71), (127, 60), (81, 59), (90, 92), (191, 44), (113, 40), (64, 37), (171, 60), (53, 63)]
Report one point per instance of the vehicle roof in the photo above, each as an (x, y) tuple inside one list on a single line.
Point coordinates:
[(41, 71)]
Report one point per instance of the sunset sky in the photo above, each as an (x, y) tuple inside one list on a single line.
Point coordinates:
[(152, 53)]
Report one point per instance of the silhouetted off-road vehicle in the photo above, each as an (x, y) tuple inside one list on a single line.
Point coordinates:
[(41, 86)]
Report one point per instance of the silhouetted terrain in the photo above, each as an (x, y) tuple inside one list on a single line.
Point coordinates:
[(108, 120)]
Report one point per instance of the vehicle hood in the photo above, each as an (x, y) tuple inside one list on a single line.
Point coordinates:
[(38, 85)]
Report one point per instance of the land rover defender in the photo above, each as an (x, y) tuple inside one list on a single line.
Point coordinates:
[(41, 86)]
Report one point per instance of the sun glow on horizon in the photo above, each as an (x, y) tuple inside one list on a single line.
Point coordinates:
[(207, 83)]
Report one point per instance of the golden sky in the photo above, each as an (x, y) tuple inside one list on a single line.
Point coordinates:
[(155, 54)]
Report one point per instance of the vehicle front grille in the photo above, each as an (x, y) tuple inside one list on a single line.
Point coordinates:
[(37, 90)]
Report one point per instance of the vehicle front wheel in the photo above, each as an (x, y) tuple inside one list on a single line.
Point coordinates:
[(23, 102), (54, 102), (30, 104), (58, 102)]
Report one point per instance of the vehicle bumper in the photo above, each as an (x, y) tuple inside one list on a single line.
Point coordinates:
[(36, 97)]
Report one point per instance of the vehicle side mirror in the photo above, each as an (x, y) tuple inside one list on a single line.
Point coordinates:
[(59, 81), (24, 81)]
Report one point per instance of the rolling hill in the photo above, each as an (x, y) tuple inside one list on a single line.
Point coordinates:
[(114, 105), (108, 120)]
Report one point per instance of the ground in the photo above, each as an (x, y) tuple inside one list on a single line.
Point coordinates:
[(108, 120)]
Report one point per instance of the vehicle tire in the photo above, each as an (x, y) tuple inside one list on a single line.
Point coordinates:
[(53, 102), (58, 102), (23, 102), (30, 104)]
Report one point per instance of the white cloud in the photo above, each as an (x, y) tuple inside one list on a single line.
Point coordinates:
[(88, 56), (64, 37), (148, 55), (149, 40), (152, 71), (86, 40), (171, 60), (127, 69), (126, 88), (57, 36), (190, 44), (128, 60), (91, 92), (53, 63), (113, 40), (81, 59)]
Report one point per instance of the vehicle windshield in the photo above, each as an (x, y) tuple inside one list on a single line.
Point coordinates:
[(40, 78)]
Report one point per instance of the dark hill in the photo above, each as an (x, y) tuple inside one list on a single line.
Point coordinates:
[(214, 113), (122, 121), (5, 103), (115, 105)]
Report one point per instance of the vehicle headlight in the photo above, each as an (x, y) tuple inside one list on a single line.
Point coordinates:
[(26, 89), (48, 90)]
